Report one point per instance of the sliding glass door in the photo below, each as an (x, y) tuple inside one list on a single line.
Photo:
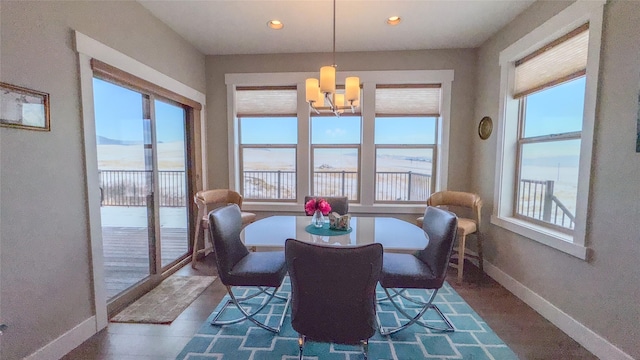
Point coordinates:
[(172, 180), (141, 147)]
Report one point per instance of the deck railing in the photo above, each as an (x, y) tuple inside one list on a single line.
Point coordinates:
[(279, 185), (536, 200), (392, 186), (402, 186), (131, 187)]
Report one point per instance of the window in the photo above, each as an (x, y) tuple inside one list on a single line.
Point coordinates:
[(268, 129), (546, 123), (405, 142), (387, 156), (549, 154), (335, 150)]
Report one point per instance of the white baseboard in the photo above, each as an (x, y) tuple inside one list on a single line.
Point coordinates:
[(66, 342), (591, 341)]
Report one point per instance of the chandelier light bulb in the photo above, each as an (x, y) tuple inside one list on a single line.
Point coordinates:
[(312, 93), (328, 79), (352, 89)]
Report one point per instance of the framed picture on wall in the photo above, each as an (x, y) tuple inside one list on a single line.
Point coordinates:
[(23, 108)]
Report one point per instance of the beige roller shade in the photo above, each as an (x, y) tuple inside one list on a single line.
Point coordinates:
[(559, 61), (408, 100), (266, 101)]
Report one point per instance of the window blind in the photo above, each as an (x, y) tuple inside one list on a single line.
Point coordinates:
[(559, 61), (110, 73), (408, 100), (266, 101)]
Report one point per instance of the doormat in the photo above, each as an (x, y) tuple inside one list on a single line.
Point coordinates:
[(166, 301)]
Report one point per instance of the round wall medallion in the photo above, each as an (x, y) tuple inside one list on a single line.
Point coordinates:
[(485, 127)]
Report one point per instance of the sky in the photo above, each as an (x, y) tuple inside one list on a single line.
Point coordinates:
[(338, 130), (119, 112), (556, 110)]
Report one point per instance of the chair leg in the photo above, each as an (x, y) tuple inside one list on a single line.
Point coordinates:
[(300, 345), (195, 242), (238, 302), (365, 348), (480, 255), (416, 319), (461, 248)]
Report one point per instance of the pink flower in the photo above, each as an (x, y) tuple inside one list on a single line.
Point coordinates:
[(320, 204), (310, 207), (324, 207)]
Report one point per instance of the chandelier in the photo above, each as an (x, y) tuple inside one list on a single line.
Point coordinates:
[(322, 96)]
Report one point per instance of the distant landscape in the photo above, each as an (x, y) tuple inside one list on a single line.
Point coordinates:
[(114, 155)]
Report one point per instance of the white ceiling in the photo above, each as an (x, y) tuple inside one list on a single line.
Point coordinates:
[(223, 27)]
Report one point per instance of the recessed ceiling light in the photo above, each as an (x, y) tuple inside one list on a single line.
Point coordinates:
[(393, 20), (275, 24)]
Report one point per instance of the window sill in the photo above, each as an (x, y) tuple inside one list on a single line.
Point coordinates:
[(354, 209), (555, 239)]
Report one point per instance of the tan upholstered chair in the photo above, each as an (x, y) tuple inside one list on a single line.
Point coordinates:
[(458, 201), (207, 200)]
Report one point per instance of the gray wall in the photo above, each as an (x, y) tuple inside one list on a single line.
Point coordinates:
[(602, 293), (462, 61), (46, 285)]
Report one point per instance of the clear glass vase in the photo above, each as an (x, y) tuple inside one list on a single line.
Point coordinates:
[(317, 219)]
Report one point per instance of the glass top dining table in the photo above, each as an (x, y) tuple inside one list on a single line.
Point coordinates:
[(395, 235)]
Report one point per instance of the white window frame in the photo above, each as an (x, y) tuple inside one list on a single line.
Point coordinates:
[(368, 79), (570, 18)]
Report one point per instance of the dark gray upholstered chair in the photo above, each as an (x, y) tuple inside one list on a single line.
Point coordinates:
[(333, 292), (339, 204), (239, 267), (426, 269)]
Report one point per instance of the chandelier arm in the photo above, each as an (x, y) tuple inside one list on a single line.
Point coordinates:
[(332, 106), (317, 110)]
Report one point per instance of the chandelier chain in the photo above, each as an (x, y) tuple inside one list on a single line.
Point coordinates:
[(334, 33)]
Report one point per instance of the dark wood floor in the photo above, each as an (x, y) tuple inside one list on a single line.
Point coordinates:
[(528, 334)]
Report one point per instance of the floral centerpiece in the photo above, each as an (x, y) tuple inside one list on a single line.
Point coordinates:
[(317, 204), (318, 208)]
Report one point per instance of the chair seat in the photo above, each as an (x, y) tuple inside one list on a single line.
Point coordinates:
[(259, 269), (408, 272), (466, 226)]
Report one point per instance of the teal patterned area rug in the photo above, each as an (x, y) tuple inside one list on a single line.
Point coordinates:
[(473, 339)]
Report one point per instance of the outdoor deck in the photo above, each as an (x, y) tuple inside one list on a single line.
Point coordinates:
[(126, 254)]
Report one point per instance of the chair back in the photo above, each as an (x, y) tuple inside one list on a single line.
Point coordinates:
[(458, 198), (339, 204), (219, 197), (225, 224), (333, 290), (441, 227)]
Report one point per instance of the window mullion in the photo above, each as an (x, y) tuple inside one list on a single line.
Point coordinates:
[(367, 166), (553, 137)]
